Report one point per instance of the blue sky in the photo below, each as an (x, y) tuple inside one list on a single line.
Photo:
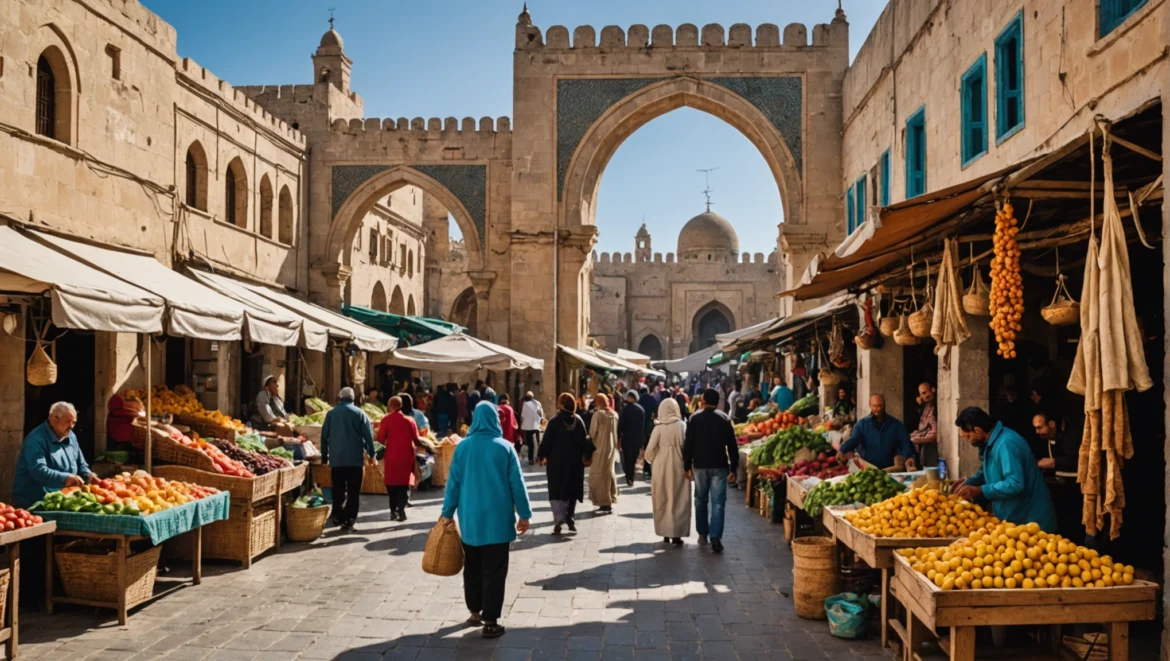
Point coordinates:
[(439, 58)]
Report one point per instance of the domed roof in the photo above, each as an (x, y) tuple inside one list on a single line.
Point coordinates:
[(331, 38), (707, 232)]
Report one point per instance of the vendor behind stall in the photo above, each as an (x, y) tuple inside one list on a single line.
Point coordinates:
[(270, 414), (50, 458), (925, 438), (1009, 477), (879, 438)]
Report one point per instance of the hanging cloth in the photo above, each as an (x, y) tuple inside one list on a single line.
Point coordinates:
[(949, 325)]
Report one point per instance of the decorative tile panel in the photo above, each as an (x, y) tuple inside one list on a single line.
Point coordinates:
[(780, 100), (347, 178)]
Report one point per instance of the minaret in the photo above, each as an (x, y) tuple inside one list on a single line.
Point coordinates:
[(642, 250), (330, 64)]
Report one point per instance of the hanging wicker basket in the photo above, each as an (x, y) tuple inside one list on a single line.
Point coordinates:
[(1063, 310), (888, 325), (828, 377), (903, 335), (976, 302), (920, 321), (41, 370)]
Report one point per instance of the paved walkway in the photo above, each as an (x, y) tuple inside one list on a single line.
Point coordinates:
[(612, 591)]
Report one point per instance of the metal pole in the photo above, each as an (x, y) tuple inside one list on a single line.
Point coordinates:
[(149, 429)]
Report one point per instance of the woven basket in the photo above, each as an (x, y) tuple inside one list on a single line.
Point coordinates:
[(323, 476), (888, 325), (373, 479), (903, 336), (1062, 313), (166, 449), (828, 377), (241, 537), (304, 524), (976, 302), (205, 428), (4, 579), (40, 370), (292, 477), (250, 489), (94, 576), (443, 458), (866, 341), (921, 320), (443, 555)]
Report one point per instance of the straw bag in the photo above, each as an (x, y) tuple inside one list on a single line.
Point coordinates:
[(443, 555), (921, 319), (1063, 310), (903, 336), (976, 302), (41, 370)]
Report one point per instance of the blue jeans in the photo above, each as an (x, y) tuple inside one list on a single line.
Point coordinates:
[(710, 483)]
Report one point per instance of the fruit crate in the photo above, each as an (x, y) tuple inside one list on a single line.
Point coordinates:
[(251, 489), (292, 477), (168, 450), (206, 428)]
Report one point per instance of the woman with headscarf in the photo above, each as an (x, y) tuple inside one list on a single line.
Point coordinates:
[(683, 405), (564, 450), (485, 487), (420, 419), (670, 490), (603, 434)]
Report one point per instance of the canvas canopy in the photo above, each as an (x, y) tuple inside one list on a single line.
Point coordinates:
[(413, 330), (339, 327), (82, 297), (462, 353), (695, 362), (633, 356), (582, 358), (268, 322), (623, 364)]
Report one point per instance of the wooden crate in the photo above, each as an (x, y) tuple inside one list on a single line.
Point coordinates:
[(931, 608), (251, 489), (796, 492), (168, 450), (249, 530), (293, 477)]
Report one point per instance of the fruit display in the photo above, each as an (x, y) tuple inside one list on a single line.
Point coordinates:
[(781, 448), (1007, 285), (770, 425), (256, 462), (221, 462), (1006, 555), (823, 467), (922, 512), (15, 518), (870, 486), (182, 401), (136, 494)]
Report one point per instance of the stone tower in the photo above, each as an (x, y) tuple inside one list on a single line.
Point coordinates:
[(330, 64), (642, 249)]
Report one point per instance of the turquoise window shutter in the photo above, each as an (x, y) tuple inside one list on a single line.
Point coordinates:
[(973, 101), (849, 214), (1114, 12), (885, 192), (916, 154), (1009, 78), (859, 191)]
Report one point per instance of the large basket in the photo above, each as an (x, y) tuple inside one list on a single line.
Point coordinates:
[(976, 305), (41, 370), (373, 480), (304, 524), (251, 489), (443, 457), (443, 555), (323, 476), (292, 477), (94, 576), (904, 336), (828, 377), (921, 320), (1062, 313), (888, 325), (168, 450), (246, 533), (206, 428)]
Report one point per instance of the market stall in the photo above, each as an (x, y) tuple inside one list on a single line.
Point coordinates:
[(111, 560), (10, 577)]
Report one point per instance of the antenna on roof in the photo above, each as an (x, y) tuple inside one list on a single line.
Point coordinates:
[(708, 190)]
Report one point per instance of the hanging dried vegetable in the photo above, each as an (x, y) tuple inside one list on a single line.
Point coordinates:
[(1007, 285)]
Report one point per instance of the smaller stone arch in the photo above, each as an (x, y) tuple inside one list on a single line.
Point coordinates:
[(651, 346), (235, 189), (410, 264), (287, 223), (267, 197), (59, 58), (195, 177), (378, 298), (465, 311), (410, 309), (712, 319), (397, 304)]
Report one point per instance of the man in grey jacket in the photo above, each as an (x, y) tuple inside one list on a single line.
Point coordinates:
[(345, 436)]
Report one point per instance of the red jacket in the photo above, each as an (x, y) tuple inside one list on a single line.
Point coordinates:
[(508, 422), (398, 433)]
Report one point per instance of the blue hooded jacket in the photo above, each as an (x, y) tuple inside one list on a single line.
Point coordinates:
[(485, 485)]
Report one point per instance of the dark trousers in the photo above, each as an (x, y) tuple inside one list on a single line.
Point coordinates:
[(485, 571), (398, 497), (347, 490), (530, 441), (630, 459)]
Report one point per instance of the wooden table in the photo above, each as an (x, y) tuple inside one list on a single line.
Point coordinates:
[(10, 542), (877, 552), (123, 551), (930, 608)]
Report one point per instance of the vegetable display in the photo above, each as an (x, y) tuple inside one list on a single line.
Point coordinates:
[(220, 461), (15, 518), (1006, 555), (870, 486), (922, 512), (136, 494), (313, 499), (781, 447), (809, 401), (823, 467), (317, 418), (257, 463), (1007, 285), (282, 453), (182, 401)]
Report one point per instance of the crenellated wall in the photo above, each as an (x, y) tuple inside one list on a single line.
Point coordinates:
[(628, 258), (713, 35), (190, 70)]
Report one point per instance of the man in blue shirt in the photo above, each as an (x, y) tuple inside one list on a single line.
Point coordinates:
[(1009, 477), (346, 437), (879, 437), (50, 458), (782, 396)]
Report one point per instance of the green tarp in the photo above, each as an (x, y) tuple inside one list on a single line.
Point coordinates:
[(412, 330), (159, 526)]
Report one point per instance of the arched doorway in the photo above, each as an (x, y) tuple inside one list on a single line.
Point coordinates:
[(397, 302), (465, 311), (410, 311), (711, 320), (651, 346), (378, 298)]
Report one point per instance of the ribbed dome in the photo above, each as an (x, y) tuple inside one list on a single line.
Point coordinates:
[(331, 38), (707, 233)]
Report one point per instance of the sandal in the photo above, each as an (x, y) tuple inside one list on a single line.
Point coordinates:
[(493, 630), (476, 620)]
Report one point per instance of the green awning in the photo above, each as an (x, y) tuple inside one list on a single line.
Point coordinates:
[(411, 330)]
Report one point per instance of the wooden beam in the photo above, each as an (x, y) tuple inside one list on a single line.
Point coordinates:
[(1135, 148)]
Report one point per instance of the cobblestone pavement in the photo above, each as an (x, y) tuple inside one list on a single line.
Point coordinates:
[(612, 591)]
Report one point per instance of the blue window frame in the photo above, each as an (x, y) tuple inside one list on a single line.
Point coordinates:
[(859, 193), (1009, 79), (973, 101), (885, 191), (1114, 13), (916, 153), (850, 216)]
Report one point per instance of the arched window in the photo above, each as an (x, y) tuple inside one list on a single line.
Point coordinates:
[(397, 305), (46, 99), (651, 346), (266, 207), (286, 216), (378, 298), (235, 182), (195, 174), (410, 264), (410, 311)]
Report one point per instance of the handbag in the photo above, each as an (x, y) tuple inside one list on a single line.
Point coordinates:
[(443, 555)]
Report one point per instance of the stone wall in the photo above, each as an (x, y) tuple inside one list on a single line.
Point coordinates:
[(396, 262)]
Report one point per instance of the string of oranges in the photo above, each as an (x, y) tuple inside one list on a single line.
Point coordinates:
[(1007, 285)]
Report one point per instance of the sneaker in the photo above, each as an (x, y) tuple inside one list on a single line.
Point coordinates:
[(665, 540), (702, 540), (401, 515), (716, 545)]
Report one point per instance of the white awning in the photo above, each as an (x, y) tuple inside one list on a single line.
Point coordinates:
[(340, 326), (589, 360), (624, 364), (724, 339), (193, 310), (268, 322), (462, 353), (83, 297), (696, 362)]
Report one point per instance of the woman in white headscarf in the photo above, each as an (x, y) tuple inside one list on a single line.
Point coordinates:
[(670, 490)]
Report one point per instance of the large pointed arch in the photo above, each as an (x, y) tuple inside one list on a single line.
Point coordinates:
[(348, 219), (606, 135)]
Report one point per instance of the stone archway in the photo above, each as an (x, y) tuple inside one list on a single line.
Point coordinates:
[(397, 302), (378, 298), (465, 311), (651, 346), (710, 320)]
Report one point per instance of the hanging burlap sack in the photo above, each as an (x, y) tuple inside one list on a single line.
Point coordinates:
[(41, 370)]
